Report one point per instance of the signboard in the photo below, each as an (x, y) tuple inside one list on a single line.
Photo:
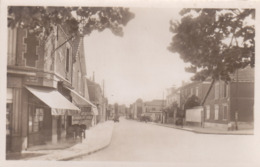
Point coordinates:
[(83, 116), (14, 82)]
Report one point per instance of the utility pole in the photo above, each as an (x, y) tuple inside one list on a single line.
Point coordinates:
[(236, 113)]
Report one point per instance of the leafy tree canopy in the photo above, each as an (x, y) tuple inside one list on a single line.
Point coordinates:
[(215, 42), (41, 19)]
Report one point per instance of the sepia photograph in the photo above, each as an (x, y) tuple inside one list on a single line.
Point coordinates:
[(129, 84)]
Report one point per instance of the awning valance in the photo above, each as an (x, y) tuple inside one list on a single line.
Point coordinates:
[(81, 101), (56, 101)]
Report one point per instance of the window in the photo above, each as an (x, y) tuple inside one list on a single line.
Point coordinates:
[(216, 90), (63, 122), (68, 60), (216, 112), (207, 112), (225, 111), (36, 119), (197, 91), (225, 90)]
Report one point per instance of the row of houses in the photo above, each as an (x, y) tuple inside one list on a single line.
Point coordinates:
[(216, 104), (213, 104), (47, 89)]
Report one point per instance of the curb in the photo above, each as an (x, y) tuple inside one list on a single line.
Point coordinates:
[(88, 153), (200, 132)]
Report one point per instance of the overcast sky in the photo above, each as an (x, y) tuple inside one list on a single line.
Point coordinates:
[(137, 65)]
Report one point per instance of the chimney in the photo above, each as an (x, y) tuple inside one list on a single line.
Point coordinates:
[(93, 77)]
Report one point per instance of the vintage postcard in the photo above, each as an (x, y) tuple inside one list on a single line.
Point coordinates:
[(129, 83)]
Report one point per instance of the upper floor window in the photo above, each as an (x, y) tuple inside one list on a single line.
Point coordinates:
[(216, 90), (197, 91), (68, 60), (225, 90)]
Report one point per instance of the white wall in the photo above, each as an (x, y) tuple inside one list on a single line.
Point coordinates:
[(194, 114)]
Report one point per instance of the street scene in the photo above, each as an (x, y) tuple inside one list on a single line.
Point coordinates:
[(154, 146), (130, 84)]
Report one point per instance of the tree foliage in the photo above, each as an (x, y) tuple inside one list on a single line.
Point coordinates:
[(215, 42), (191, 102), (41, 20)]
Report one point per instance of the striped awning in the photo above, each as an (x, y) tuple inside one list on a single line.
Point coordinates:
[(56, 101)]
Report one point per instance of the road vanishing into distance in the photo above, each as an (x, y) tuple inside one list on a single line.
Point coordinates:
[(139, 141)]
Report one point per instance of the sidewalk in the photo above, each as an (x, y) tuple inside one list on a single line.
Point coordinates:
[(97, 138), (202, 130)]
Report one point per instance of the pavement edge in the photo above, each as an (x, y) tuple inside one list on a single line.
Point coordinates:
[(89, 152)]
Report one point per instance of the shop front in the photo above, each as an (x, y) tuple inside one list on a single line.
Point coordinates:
[(47, 115), (89, 112)]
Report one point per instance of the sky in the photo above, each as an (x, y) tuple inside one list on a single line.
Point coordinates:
[(137, 65)]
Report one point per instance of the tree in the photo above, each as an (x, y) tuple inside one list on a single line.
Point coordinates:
[(41, 20), (216, 42), (191, 102)]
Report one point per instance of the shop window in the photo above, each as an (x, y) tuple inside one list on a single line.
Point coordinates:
[(36, 119), (63, 122)]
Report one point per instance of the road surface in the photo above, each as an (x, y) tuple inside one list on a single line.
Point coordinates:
[(138, 141)]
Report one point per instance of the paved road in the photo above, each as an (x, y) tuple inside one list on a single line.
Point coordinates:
[(136, 141)]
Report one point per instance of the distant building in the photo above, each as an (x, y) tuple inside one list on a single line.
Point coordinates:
[(97, 98), (136, 109), (154, 109)]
